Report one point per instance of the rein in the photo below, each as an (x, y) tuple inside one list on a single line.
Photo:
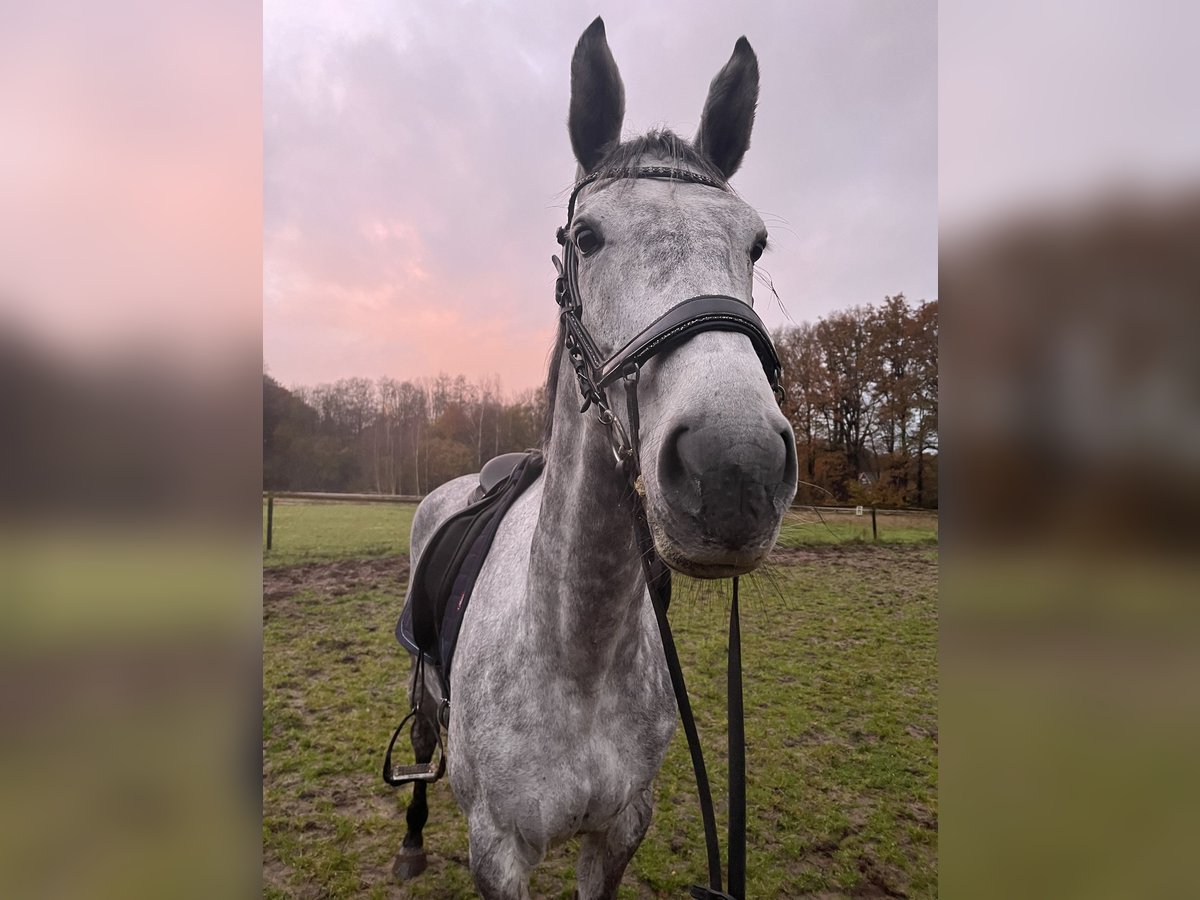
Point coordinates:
[(595, 374)]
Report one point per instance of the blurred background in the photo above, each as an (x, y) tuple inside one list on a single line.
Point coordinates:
[(130, 335), (1070, 265), (130, 285)]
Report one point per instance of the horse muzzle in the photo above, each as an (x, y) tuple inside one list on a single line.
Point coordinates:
[(722, 495)]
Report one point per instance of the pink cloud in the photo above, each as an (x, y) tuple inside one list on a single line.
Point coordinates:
[(416, 167)]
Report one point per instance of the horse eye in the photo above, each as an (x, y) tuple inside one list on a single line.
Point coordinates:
[(587, 240), (757, 250)]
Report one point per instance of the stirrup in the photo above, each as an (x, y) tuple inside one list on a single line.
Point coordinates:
[(426, 772)]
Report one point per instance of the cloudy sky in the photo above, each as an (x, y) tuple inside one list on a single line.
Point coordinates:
[(416, 162)]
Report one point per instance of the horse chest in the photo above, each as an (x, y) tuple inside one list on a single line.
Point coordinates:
[(580, 757), (591, 769)]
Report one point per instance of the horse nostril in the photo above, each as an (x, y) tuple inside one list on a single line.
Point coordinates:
[(790, 466), (672, 470)]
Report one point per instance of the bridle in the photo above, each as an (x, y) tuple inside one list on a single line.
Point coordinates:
[(595, 374), (706, 312)]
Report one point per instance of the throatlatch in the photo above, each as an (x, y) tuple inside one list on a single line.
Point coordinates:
[(709, 312)]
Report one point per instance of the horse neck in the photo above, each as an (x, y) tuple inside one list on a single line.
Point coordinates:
[(586, 586)]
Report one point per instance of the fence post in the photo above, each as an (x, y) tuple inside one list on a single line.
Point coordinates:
[(874, 529), (270, 517)]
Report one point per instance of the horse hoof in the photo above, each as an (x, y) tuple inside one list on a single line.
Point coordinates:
[(409, 863)]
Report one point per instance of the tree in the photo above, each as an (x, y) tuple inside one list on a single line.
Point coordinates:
[(861, 393), (925, 352), (803, 383), (852, 371)]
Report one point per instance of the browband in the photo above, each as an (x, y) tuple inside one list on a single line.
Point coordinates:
[(666, 173)]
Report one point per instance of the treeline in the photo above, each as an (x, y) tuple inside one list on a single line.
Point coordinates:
[(861, 394), (388, 436)]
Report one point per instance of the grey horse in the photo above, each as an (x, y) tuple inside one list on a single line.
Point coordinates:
[(562, 704)]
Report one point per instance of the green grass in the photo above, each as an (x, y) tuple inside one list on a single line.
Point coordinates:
[(315, 531), (803, 527), (841, 697)]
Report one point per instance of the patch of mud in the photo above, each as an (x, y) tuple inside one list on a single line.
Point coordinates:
[(275, 874), (879, 880), (334, 579), (884, 575), (859, 554)]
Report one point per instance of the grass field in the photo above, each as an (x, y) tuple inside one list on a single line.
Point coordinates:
[(314, 531), (840, 647), (809, 526)]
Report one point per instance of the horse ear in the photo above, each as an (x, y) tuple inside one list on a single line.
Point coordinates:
[(724, 135), (597, 98)]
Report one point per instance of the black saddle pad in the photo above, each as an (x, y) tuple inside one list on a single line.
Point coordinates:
[(450, 563)]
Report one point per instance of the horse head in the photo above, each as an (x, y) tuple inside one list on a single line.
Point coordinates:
[(717, 457)]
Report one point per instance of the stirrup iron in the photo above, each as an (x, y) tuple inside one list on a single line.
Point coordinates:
[(426, 772)]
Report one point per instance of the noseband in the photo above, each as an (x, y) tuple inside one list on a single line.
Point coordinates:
[(595, 374), (706, 312)]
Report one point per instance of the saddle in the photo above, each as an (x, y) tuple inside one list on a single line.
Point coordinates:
[(450, 563), (441, 586)]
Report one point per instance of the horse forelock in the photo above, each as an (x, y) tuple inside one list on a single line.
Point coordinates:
[(662, 146)]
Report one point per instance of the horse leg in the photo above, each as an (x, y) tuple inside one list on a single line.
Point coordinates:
[(410, 861), (500, 861), (604, 855)]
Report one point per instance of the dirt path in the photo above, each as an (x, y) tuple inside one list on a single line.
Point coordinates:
[(862, 555), (334, 579)]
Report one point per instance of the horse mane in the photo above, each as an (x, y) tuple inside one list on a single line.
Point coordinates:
[(663, 147), (552, 386)]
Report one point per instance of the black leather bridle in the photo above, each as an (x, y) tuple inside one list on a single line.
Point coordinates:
[(706, 312), (595, 374)]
